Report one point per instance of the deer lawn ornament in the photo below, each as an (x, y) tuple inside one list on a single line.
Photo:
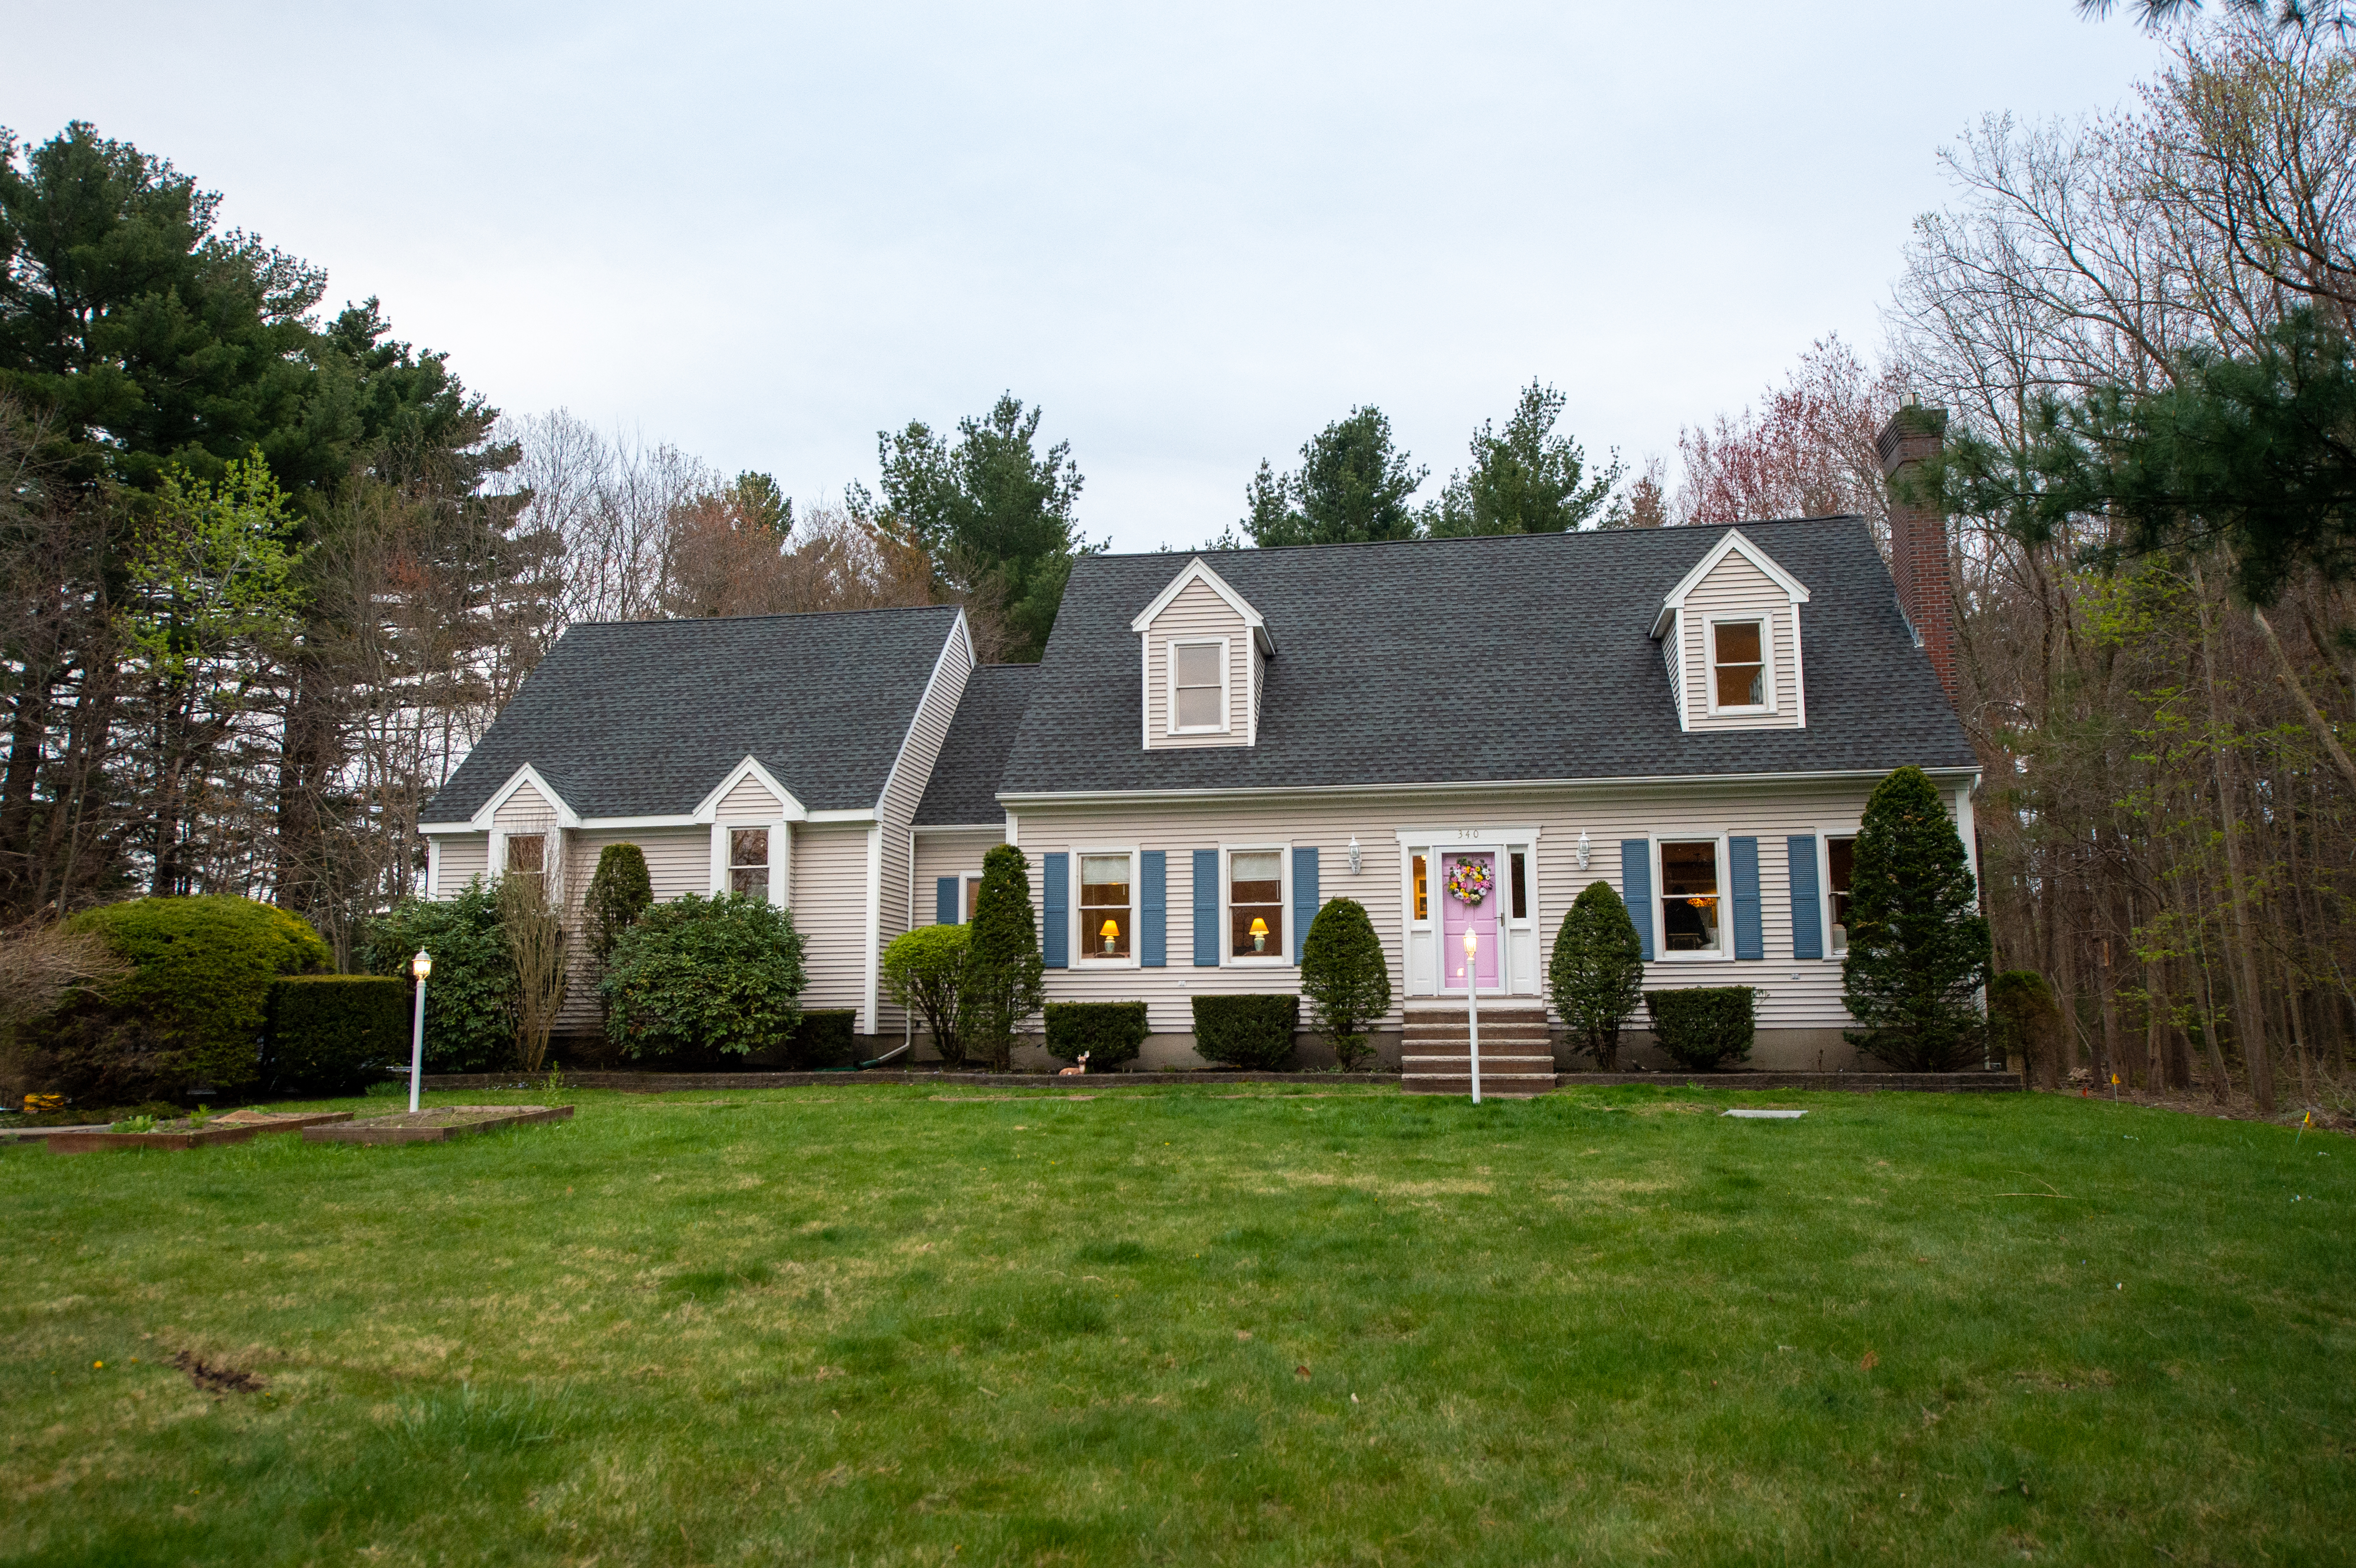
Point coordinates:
[(1080, 1070)]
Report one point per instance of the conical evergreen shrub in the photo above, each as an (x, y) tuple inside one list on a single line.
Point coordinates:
[(1918, 945), (1597, 976), (1005, 979), (1346, 979)]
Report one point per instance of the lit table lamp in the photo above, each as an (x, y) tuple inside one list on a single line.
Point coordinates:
[(1111, 930), (1259, 934)]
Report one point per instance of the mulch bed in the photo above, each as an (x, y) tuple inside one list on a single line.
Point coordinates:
[(437, 1125), (235, 1127), (667, 1083)]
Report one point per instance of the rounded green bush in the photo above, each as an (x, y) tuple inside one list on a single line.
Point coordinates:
[(191, 1011), (705, 974), (471, 998), (1346, 979)]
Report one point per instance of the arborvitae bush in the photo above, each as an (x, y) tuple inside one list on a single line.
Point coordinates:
[(1918, 945), (1111, 1032), (471, 998), (924, 970), (333, 1034), (697, 975), (1346, 979), (1251, 1032), (2024, 1019), (1704, 1026), (1597, 978), (1005, 978), (620, 891), (191, 1010)]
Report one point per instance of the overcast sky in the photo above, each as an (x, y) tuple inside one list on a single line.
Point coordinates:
[(1192, 234)]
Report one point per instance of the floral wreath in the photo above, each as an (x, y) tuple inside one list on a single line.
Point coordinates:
[(1468, 880)]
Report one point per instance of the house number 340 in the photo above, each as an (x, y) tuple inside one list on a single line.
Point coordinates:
[(1468, 833)]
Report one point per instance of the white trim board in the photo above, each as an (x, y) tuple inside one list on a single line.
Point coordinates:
[(485, 817), (1199, 570), (1732, 543)]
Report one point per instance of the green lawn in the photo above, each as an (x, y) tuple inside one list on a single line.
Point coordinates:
[(876, 1325)]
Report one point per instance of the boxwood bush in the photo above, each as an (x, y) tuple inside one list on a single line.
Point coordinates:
[(1111, 1032), (333, 1034), (1250, 1032), (1703, 1027), (471, 998), (705, 974), (191, 1010)]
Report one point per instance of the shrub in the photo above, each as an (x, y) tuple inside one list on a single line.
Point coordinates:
[(1251, 1032), (471, 997), (1597, 977), (1346, 979), (620, 891), (1005, 977), (534, 930), (2024, 1019), (331, 1034), (925, 972), (705, 974), (826, 1037), (1111, 1032), (191, 1010), (1703, 1027), (1918, 945)]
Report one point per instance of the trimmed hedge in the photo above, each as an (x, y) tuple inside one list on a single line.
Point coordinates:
[(192, 1010), (826, 1037), (1111, 1032), (1705, 1026), (1254, 1033), (333, 1034)]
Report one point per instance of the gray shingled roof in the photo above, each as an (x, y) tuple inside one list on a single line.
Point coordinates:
[(1525, 657), (644, 718), (964, 788)]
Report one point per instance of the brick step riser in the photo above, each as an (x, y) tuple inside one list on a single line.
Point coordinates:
[(1461, 1089), (1504, 1031)]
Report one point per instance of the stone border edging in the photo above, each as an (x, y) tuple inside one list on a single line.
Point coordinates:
[(665, 1083)]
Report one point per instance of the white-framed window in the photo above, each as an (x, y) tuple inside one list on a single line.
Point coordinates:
[(1105, 912), (1693, 897), (1840, 862), (1256, 898), (748, 861), (1198, 686), (970, 895), (1741, 659), (527, 856)]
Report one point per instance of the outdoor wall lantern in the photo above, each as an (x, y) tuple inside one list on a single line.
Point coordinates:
[(1582, 848), (1111, 930), (1358, 856), (1259, 934), (421, 967)]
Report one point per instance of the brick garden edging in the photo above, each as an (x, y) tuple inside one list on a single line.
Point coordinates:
[(663, 1082)]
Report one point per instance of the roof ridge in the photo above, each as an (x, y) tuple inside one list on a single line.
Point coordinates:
[(769, 616), (1667, 530)]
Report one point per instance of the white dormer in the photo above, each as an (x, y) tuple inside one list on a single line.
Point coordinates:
[(1204, 655), (1730, 638)]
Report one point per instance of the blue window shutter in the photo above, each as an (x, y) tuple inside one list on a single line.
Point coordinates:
[(945, 903), (1153, 909), (1807, 913), (1749, 940), (1304, 898), (1055, 875), (1207, 909), (1637, 888)]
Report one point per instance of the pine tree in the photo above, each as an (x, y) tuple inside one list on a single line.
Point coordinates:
[(1345, 977), (1597, 977), (1918, 945), (1005, 976)]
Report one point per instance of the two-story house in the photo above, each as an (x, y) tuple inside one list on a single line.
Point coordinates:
[(1459, 734)]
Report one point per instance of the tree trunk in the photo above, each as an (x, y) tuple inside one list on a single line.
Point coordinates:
[(2248, 1024)]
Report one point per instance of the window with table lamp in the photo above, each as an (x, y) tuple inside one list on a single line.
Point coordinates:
[(1257, 893)]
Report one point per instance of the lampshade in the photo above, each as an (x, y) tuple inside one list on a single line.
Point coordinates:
[(1110, 930), (423, 964), (1258, 926)]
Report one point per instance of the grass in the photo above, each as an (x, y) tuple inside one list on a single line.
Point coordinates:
[(881, 1325)]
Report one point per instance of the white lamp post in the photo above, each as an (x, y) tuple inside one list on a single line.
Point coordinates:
[(421, 967), (1473, 1003)]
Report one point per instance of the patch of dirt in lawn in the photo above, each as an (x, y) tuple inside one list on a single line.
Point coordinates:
[(215, 1378)]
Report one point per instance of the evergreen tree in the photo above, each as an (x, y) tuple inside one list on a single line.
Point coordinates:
[(619, 891), (1527, 480), (1597, 977), (1004, 975), (1353, 485), (1346, 979), (1918, 945)]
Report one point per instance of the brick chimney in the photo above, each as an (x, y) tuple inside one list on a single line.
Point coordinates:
[(1919, 562)]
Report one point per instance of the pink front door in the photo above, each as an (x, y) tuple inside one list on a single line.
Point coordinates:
[(1457, 916)]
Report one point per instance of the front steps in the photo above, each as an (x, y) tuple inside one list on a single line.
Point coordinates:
[(1516, 1051)]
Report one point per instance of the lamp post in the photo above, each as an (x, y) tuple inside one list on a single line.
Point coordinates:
[(1473, 1003), (421, 967)]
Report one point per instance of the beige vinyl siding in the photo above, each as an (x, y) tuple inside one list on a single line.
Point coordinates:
[(750, 799), (526, 811), (1737, 587), (830, 911), (1198, 614), (956, 853), (1770, 813), (679, 860), (464, 856)]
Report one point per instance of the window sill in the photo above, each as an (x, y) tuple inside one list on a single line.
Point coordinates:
[(1102, 963), (1710, 957), (1742, 713), (1202, 730), (1233, 963)]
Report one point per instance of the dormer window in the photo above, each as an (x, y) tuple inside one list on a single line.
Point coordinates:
[(1198, 687), (1737, 666)]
